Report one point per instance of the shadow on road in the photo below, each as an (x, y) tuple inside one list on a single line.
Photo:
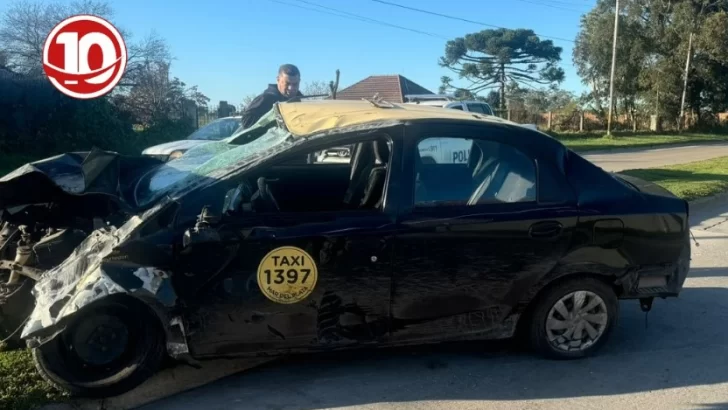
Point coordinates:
[(681, 342), (708, 272)]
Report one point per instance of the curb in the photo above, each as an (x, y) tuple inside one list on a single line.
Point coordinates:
[(626, 150), (709, 199)]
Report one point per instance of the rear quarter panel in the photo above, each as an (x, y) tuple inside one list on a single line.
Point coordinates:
[(623, 231)]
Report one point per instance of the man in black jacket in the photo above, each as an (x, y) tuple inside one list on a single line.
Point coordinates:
[(289, 79)]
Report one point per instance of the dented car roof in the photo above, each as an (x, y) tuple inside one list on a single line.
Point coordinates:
[(312, 117)]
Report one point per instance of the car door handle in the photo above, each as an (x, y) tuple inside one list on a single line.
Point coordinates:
[(545, 230)]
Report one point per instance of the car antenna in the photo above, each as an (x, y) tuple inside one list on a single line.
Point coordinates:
[(378, 101)]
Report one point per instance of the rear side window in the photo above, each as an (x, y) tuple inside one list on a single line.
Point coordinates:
[(480, 108), (462, 171), (457, 107)]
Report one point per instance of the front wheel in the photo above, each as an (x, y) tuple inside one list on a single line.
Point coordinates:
[(108, 349), (573, 319)]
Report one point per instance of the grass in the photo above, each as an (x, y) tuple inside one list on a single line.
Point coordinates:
[(21, 387), (582, 142), (690, 181)]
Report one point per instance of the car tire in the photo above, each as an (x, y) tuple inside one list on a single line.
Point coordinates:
[(554, 309), (75, 360)]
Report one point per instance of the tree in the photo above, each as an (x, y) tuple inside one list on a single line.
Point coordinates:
[(25, 25), (651, 52), (155, 97), (246, 100), (4, 59), (493, 58), (315, 88), (593, 55)]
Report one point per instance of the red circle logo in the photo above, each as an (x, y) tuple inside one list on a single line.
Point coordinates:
[(84, 56)]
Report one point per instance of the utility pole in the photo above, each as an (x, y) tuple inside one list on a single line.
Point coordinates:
[(614, 62), (685, 84)]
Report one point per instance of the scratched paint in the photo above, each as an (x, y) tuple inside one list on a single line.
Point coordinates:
[(388, 276)]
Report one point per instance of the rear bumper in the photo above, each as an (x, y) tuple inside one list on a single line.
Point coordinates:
[(658, 281)]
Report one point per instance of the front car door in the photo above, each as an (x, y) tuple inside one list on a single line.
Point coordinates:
[(476, 234), (298, 277)]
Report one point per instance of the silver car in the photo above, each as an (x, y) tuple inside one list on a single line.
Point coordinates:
[(214, 131), (446, 101)]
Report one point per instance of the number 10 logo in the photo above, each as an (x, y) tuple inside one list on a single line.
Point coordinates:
[(84, 56)]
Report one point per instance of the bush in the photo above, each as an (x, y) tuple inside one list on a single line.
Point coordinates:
[(37, 121)]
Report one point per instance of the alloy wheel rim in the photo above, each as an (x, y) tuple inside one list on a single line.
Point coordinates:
[(576, 321)]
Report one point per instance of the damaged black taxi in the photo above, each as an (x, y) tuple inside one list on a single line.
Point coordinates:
[(443, 225)]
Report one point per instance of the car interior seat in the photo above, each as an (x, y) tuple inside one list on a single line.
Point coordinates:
[(366, 174), (374, 189)]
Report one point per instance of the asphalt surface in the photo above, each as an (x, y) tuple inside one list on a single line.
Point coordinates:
[(676, 357), (619, 160)]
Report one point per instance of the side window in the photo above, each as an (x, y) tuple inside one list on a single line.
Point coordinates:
[(323, 180), (334, 155), (445, 150), (461, 171), (457, 107), (474, 107)]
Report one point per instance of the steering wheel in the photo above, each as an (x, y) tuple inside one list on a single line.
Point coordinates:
[(266, 195)]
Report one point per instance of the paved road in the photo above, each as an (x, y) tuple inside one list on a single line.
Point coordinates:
[(630, 159), (675, 358)]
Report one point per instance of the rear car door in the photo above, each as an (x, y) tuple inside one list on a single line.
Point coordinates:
[(476, 235), (297, 278)]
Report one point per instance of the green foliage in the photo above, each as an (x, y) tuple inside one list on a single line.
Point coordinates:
[(544, 100), (36, 121), (493, 58), (652, 48), (21, 387)]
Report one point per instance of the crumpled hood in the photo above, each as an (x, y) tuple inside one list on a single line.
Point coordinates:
[(169, 147), (74, 173), (80, 280)]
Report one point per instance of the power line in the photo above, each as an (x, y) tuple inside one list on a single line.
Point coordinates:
[(551, 5), (345, 14), (460, 18), (567, 3)]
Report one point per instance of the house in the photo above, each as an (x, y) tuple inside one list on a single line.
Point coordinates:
[(391, 88)]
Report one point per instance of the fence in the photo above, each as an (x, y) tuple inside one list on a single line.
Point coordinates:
[(584, 121), (559, 121)]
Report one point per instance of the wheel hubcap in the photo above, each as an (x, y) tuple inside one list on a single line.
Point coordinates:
[(576, 321), (101, 340)]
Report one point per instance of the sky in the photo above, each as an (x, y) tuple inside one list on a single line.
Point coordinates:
[(232, 48)]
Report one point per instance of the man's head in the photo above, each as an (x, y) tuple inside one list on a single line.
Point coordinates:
[(289, 78)]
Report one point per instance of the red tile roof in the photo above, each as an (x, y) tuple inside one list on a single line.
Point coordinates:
[(391, 88)]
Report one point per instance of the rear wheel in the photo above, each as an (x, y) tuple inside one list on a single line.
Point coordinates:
[(109, 349), (573, 319)]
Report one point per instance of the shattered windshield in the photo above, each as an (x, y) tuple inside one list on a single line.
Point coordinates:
[(216, 130), (208, 160)]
